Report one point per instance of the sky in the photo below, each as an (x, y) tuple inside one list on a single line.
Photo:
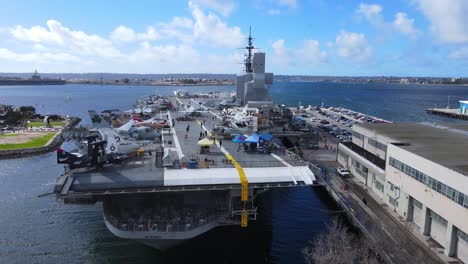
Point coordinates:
[(299, 37)]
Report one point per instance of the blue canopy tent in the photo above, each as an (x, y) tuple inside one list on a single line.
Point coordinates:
[(266, 136), (239, 139), (265, 139), (254, 138)]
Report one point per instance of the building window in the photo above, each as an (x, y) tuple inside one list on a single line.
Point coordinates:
[(377, 144), (454, 195), (417, 203), (391, 186), (361, 169), (393, 201), (357, 135), (437, 218), (379, 186), (462, 235)]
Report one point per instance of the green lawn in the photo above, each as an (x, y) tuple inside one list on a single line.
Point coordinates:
[(41, 124), (34, 143)]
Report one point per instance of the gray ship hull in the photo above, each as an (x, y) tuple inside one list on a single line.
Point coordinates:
[(160, 240)]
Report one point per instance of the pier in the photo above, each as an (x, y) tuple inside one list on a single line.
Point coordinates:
[(453, 113)]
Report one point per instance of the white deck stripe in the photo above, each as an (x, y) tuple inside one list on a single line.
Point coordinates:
[(176, 138), (286, 164)]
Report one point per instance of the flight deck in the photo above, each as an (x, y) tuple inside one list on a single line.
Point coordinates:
[(186, 164)]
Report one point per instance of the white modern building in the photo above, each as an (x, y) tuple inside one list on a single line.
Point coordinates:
[(463, 107), (421, 171)]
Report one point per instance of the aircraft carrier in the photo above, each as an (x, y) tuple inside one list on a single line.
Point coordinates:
[(216, 153), (35, 79)]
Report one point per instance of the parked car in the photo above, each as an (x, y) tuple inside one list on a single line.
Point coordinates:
[(323, 121), (343, 172)]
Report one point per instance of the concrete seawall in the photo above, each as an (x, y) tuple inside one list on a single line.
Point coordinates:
[(53, 143)]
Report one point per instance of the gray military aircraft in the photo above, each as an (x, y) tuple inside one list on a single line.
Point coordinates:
[(128, 129)]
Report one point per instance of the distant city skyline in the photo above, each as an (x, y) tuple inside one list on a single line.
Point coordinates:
[(327, 38)]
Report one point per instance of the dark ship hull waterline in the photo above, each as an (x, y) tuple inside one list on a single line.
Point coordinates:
[(31, 82)]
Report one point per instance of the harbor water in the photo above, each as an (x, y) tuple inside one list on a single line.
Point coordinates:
[(43, 230)]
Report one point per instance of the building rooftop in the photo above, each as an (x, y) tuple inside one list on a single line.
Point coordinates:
[(445, 144)]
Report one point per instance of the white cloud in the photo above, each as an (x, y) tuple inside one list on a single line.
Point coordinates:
[(149, 34), (401, 24), (213, 31), (37, 57), (169, 54), (311, 52), (352, 46), (371, 13), (274, 12), (180, 28), (288, 3), (459, 54), (38, 34), (224, 7), (448, 19), (405, 25), (68, 40), (281, 55), (126, 34), (181, 58), (54, 46)]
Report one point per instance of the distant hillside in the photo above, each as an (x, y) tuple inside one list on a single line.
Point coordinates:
[(294, 78), (118, 76)]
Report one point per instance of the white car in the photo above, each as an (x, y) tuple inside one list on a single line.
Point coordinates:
[(343, 172)]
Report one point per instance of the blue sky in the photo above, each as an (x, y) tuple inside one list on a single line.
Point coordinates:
[(309, 37)]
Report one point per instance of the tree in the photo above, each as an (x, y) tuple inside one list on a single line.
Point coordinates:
[(13, 118), (24, 109), (339, 245)]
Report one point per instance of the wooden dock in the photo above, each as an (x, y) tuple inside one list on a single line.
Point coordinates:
[(454, 113)]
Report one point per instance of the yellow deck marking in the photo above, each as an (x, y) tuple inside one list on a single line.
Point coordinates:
[(244, 218), (240, 171)]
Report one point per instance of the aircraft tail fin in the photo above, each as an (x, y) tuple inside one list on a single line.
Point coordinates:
[(126, 127)]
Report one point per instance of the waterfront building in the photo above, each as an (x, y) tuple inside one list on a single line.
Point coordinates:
[(421, 171), (463, 107)]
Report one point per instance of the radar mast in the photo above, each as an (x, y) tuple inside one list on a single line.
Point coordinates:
[(249, 48)]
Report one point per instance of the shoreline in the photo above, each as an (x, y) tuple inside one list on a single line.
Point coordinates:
[(152, 84), (53, 143)]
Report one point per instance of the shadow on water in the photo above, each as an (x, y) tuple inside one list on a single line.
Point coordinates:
[(288, 219)]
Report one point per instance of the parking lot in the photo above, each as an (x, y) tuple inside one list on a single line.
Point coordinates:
[(336, 121)]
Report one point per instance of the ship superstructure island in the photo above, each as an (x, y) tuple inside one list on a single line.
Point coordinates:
[(173, 168)]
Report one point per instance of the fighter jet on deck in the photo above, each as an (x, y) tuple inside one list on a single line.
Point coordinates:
[(138, 132)]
